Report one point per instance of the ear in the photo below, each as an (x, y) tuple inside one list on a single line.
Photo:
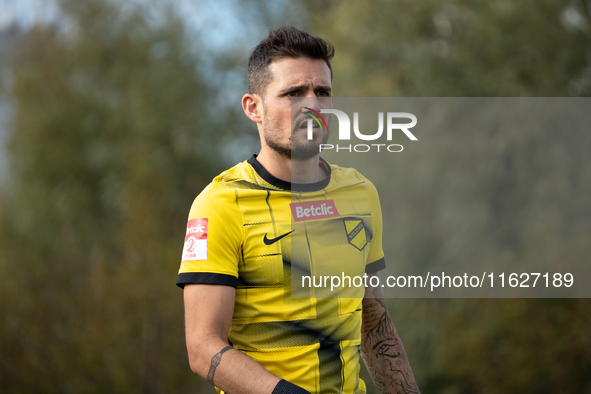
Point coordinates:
[(252, 104)]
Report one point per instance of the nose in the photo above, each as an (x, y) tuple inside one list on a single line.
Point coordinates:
[(311, 100)]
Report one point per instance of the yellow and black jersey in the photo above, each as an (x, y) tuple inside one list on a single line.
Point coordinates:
[(277, 243)]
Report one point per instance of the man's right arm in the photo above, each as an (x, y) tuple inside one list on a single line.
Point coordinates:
[(208, 315)]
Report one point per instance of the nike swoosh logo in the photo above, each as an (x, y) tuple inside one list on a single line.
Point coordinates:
[(271, 241)]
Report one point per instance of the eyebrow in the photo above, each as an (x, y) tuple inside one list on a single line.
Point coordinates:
[(299, 87)]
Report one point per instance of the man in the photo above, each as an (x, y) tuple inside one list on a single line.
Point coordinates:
[(280, 216)]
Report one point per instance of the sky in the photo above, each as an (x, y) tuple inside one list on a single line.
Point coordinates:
[(26, 12), (220, 20)]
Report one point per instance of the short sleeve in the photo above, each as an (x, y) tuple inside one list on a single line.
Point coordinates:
[(213, 239), (375, 259)]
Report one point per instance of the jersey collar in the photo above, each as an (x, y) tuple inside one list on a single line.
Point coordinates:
[(281, 184)]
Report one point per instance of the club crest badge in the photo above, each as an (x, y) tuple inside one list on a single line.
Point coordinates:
[(356, 233)]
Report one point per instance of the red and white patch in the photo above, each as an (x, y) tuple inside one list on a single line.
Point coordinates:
[(311, 210), (196, 240)]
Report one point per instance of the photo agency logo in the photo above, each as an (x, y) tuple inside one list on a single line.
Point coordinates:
[(393, 126)]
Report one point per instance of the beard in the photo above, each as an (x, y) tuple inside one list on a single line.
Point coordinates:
[(298, 149)]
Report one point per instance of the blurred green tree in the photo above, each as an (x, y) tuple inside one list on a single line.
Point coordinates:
[(116, 130), (530, 188), (111, 141), (458, 47)]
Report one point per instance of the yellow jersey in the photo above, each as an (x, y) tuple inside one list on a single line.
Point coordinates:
[(279, 244)]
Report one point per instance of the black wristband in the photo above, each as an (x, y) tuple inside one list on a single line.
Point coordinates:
[(284, 387)]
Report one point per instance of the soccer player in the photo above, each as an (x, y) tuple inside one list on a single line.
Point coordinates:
[(281, 216)]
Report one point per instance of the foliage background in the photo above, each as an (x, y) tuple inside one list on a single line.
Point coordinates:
[(120, 115)]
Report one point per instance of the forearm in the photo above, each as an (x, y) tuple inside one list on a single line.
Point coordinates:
[(382, 350), (230, 369), (208, 315)]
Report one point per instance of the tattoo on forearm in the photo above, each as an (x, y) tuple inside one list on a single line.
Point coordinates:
[(215, 361), (382, 350)]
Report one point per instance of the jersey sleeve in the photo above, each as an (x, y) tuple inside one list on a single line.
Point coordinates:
[(375, 259), (213, 240)]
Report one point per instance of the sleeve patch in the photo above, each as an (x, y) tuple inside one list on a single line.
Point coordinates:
[(196, 240)]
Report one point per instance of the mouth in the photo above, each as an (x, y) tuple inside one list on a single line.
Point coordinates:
[(302, 124), (304, 132)]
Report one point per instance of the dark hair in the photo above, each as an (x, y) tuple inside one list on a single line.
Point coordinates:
[(284, 42)]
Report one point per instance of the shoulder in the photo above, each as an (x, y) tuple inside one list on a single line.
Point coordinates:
[(348, 181), (221, 194), (241, 176), (348, 176)]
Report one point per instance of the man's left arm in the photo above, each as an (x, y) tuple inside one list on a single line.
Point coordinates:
[(381, 347)]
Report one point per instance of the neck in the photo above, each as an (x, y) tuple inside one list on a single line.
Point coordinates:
[(294, 171)]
